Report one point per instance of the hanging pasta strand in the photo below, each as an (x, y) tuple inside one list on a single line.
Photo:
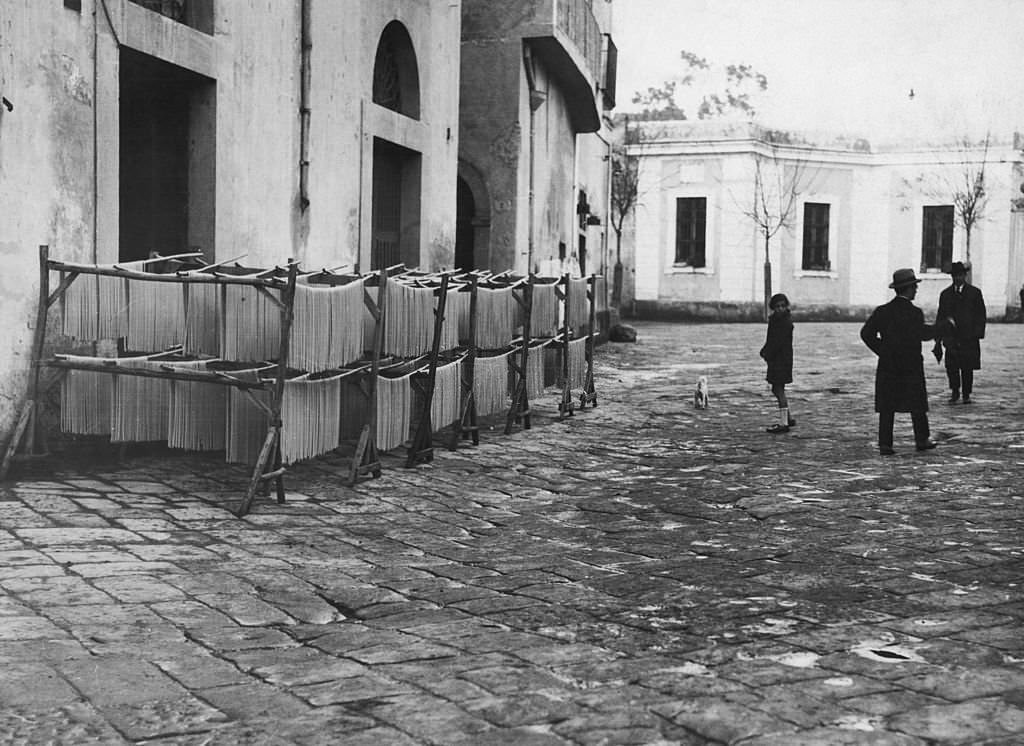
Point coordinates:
[(311, 327), (445, 403), (202, 312), (347, 335), (139, 405), (85, 400), (196, 412), (252, 324), (394, 411), (247, 424), (408, 319), (156, 315), (577, 362), (535, 372), (327, 331), (455, 305), (544, 312), (309, 416), (81, 308), (96, 306), (579, 306), (490, 384), (495, 318), (600, 290)]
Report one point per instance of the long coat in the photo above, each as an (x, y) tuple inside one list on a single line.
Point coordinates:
[(967, 309), (778, 349), (894, 332)]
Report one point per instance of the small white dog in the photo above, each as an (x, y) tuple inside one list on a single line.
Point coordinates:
[(700, 394)]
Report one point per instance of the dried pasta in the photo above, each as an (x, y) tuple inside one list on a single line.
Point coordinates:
[(490, 384), (139, 404), (394, 411), (310, 411), (544, 310), (196, 413), (85, 400), (327, 331), (252, 324), (156, 315), (495, 318), (445, 404), (247, 424)]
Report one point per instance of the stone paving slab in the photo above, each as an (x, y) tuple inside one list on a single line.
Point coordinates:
[(639, 573)]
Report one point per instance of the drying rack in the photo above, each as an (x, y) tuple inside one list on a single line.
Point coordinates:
[(26, 435), (588, 395), (466, 427), (27, 440)]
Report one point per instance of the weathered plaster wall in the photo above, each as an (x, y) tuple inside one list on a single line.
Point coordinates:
[(493, 136), (344, 122), (46, 166), (56, 167)]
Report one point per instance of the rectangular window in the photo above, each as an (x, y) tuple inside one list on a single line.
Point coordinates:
[(691, 221), (937, 237), (816, 236)]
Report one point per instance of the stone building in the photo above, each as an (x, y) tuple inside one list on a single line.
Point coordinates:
[(323, 131), (859, 210), (538, 80)]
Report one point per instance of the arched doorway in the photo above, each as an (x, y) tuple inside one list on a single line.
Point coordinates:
[(396, 189), (465, 212), (472, 220)]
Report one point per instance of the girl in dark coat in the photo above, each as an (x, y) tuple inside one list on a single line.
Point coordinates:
[(778, 353)]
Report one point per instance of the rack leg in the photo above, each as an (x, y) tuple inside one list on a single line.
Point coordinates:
[(16, 437), (365, 459), (465, 427), (257, 472), (565, 406), (279, 471), (520, 409)]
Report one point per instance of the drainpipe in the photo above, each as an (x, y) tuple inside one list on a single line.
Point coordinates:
[(537, 97), (304, 110)]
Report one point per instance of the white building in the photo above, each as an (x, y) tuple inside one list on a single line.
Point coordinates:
[(859, 211)]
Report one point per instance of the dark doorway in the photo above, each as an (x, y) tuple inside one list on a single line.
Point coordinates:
[(465, 212), (166, 158), (396, 206)]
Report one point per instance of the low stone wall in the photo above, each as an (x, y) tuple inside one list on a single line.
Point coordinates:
[(722, 312)]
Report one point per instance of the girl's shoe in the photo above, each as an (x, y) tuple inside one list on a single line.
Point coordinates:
[(777, 429)]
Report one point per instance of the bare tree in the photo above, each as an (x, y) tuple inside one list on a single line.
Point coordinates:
[(968, 191), (960, 181), (778, 184), (625, 183)]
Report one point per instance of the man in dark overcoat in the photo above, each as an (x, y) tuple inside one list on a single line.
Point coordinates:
[(963, 303), (895, 332)]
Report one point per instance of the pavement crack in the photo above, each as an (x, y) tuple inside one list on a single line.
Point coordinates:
[(347, 612)]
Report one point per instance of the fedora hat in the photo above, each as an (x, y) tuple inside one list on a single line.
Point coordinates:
[(903, 277), (957, 268)]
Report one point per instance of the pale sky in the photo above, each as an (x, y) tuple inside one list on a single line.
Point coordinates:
[(843, 65)]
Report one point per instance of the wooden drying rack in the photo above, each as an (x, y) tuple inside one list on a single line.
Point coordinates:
[(28, 438)]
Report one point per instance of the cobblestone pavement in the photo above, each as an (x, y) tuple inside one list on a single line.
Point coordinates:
[(639, 573)]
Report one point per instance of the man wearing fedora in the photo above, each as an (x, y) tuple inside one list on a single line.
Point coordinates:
[(895, 332), (963, 303)]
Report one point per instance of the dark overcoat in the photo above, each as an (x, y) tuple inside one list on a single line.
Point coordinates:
[(967, 309), (778, 349), (894, 332)]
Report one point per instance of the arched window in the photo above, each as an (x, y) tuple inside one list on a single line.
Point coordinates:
[(396, 77)]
